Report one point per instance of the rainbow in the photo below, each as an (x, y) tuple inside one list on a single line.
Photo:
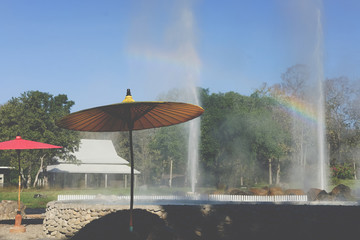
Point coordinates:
[(297, 107)]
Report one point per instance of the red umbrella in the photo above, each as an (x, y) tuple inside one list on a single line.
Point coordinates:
[(20, 144)]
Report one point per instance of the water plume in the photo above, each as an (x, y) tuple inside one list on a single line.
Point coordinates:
[(305, 101), (163, 45)]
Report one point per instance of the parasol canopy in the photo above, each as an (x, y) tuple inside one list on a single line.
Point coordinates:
[(21, 144), (130, 116)]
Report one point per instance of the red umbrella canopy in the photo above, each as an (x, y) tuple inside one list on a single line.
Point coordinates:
[(20, 144)]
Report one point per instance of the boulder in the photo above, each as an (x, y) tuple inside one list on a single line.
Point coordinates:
[(313, 193), (294, 192), (259, 191), (236, 191), (275, 191), (324, 196), (342, 193), (218, 191)]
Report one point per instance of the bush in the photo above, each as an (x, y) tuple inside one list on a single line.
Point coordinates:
[(344, 171), (335, 181)]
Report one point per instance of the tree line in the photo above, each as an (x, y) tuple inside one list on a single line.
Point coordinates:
[(261, 138), (32, 116), (245, 140)]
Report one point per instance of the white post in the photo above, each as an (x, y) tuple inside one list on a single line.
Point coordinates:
[(125, 181), (270, 172), (171, 169), (106, 179), (85, 180)]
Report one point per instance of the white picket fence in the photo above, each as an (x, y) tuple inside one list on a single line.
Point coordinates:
[(75, 197), (220, 198), (254, 198)]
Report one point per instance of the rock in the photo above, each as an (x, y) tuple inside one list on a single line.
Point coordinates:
[(38, 195), (88, 217), (324, 196), (312, 194), (94, 214), (259, 191), (275, 191), (9, 209), (342, 193), (218, 191), (294, 192), (236, 191)]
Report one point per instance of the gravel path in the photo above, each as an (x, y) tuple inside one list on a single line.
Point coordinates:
[(34, 230)]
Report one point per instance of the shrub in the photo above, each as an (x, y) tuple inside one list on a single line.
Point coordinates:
[(344, 171)]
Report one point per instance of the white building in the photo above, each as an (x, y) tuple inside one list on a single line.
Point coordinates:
[(100, 166)]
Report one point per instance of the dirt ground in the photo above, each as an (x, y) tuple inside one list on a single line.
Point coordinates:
[(34, 230)]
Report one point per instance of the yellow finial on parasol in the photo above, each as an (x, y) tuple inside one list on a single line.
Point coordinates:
[(128, 98)]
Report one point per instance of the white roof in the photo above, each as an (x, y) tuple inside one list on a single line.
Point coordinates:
[(96, 156), (98, 151), (90, 168), (5, 167)]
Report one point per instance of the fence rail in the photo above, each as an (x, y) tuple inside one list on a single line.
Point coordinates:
[(223, 198), (75, 197)]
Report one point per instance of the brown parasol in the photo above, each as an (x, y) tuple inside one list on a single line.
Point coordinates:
[(21, 144), (128, 116)]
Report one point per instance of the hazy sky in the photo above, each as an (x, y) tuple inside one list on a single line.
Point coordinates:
[(93, 50)]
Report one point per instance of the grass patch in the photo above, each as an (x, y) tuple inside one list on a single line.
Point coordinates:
[(351, 183), (47, 195)]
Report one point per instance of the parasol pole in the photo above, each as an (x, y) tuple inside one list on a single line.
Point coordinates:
[(130, 124), (18, 155), (131, 181), (18, 227)]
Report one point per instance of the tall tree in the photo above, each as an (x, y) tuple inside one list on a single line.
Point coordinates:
[(292, 92), (239, 136), (342, 118), (213, 141), (295, 80), (33, 116), (171, 144)]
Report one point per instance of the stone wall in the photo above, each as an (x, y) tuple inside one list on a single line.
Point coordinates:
[(64, 218), (208, 222), (8, 209)]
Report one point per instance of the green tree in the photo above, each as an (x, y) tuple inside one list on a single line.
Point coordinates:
[(239, 136), (343, 121), (269, 137), (171, 145), (214, 145), (342, 118), (33, 116)]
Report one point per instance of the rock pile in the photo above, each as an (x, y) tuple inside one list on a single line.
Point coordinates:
[(266, 191), (339, 193), (8, 209)]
